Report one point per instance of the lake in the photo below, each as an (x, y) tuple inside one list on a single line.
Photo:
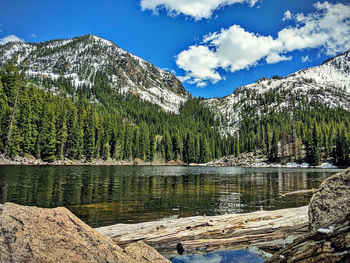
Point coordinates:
[(105, 195)]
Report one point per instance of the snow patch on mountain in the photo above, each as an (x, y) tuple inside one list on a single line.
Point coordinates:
[(328, 83), (80, 59)]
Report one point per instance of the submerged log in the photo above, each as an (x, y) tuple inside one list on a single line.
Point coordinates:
[(270, 230), (313, 190)]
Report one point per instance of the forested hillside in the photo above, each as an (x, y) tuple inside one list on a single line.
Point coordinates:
[(79, 60), (311, 132), (123, 108), (100, 123), (304, 116)]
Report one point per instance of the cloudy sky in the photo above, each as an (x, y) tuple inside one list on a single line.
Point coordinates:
[(213, 46)]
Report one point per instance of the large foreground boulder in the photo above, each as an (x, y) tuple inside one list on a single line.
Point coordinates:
[(331, 203), (31, 234)]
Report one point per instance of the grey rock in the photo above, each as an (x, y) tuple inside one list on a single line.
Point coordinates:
[(331, 203)]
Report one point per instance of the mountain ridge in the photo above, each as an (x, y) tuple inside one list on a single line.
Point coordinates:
[(328, 83), (92, 99), (79, 59)]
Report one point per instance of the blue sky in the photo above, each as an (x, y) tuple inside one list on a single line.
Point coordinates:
[(214, 46)]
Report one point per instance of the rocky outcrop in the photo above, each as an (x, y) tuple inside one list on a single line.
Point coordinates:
[(331, 203), (329, 246), (244, 159), (328, 239), (31, 234)]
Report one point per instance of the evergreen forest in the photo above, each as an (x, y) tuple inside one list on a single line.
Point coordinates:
[(87, 123), (72, 125)]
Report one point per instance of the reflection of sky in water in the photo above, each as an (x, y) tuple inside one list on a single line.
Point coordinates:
[(237, 256)]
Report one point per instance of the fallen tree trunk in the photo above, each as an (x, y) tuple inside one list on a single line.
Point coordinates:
[(313, 190), (269, 230)]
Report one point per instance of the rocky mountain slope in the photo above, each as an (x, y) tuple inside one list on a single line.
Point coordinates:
[(327, 84), (79, 59)]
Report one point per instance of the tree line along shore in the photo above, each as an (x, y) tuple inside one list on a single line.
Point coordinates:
[(96, 123)]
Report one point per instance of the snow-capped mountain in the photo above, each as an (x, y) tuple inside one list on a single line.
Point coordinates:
[(328, 84), (80, 58)]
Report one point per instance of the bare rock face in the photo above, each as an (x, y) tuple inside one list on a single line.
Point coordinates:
[(331, 203), (31, 234)]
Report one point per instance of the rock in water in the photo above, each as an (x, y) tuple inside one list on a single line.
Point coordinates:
[(180, 249), (32, 234), (331, 203)]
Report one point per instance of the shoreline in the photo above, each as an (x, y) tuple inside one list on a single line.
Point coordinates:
[(222, 162)]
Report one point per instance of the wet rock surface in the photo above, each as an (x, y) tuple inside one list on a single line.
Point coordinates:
[(31, 234)]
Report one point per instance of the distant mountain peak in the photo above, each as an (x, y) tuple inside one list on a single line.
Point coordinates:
[(80, 58), (328, 84)]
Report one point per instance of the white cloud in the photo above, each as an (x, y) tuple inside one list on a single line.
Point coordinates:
[(327, 28), (183, 78), (275, 58), (192, 61), (198, 9), (304, 59), (33, 35), (10, 38), (235, 48), (287, 15), (238, 49)]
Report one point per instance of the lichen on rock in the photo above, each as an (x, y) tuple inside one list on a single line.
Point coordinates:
[(331, 203)]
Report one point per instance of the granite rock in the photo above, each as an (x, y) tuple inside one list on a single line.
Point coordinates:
[(331, 203), (32, 234)]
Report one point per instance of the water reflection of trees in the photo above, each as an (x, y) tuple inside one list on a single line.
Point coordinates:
[(109, 194)]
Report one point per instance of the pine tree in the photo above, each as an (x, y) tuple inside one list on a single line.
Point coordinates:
[(11, 80), (25, 122), (89, 134), (47, 137), (204, 150), (273, 157), (167, 147), (189, 151), (4, 116), (144, 142), (314, 151), (177, 146)]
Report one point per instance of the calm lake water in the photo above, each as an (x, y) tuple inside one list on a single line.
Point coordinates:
[(105, 195)]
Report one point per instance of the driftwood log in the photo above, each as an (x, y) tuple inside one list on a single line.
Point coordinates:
[(268, 230)]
